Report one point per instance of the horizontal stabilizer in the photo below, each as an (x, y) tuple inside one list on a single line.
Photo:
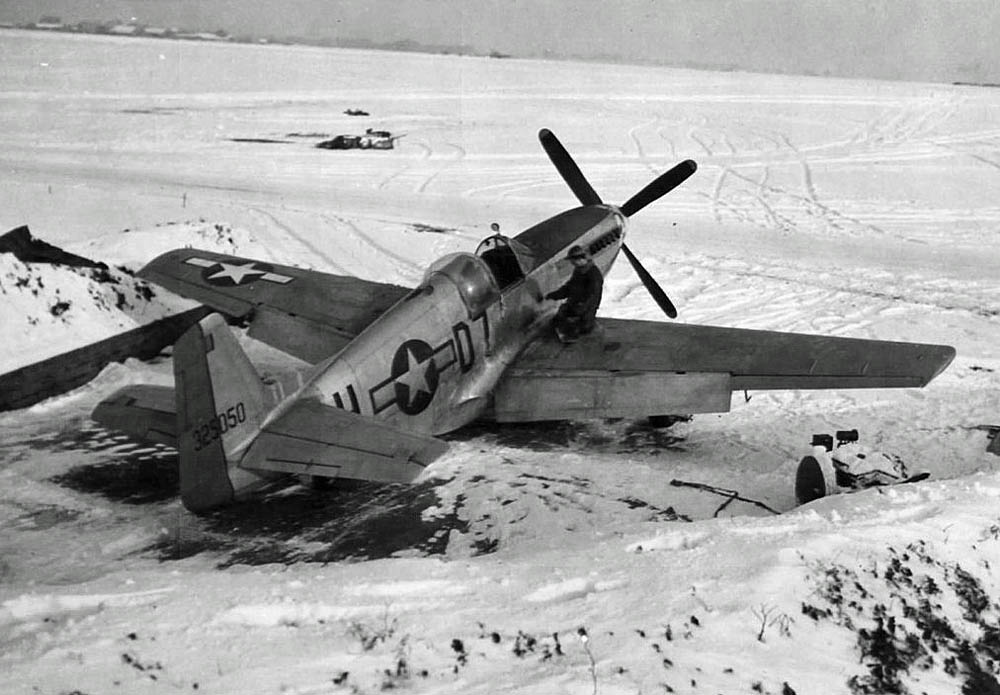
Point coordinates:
[(142, 411), (316, 439)]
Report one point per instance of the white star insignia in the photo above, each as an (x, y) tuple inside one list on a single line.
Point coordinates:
[(235, 272), (415, 376)]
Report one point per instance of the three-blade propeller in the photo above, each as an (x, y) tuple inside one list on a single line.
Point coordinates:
[(585, 193)]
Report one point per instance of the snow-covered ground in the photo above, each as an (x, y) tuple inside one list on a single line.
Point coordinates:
[(560, 559)]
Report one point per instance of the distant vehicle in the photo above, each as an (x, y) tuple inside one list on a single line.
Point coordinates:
[(371, 140), (341, 142), (356, 112), (850, 466)]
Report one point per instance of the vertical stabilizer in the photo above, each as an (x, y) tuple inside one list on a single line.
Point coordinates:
[(221, 403)]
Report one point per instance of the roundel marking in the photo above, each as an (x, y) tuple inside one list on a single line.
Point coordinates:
[(415, 376)]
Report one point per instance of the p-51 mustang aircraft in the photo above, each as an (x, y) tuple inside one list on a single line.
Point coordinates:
[(393, 367)]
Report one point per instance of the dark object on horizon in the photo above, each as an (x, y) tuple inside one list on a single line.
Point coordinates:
[(356, 112), (264, 141), (371, 140), (341, 142)]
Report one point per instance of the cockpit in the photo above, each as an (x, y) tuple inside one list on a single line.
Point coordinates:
[(507, 259), (471, 277), (498, 263)]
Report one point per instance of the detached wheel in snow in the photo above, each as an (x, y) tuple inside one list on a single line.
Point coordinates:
[(815, 478)]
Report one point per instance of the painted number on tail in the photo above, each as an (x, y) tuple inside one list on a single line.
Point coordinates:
[(213, 428)]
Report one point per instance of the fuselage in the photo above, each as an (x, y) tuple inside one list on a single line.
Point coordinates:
[(431, 362)]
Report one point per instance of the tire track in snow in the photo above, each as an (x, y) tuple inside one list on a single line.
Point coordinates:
[(633, 135), (701, 143), (782, 222), (510, 188), (398, 264), (832, 218), (765, 194), (460, 154), (907, 123), (717, 202), (775, 201), (669, 139), (298, 238), (720, 181), (951, 146), (425, 155), (970, 304)]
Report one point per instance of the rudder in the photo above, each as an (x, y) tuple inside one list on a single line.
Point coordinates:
[(221, 403)]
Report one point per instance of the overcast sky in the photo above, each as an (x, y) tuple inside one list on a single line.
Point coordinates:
[(936, 40)]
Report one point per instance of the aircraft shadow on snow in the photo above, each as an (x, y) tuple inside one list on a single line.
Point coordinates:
[(297, 523)]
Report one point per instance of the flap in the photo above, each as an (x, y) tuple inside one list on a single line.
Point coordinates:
[(317, 439), (296, 306), (533, 395)]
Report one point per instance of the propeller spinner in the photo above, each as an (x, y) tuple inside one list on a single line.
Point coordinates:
[(653, 191)]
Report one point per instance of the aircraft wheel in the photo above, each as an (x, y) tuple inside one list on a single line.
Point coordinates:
[(814, 478)]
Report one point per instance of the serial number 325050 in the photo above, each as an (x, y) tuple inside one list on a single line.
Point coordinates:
[(212, 428)]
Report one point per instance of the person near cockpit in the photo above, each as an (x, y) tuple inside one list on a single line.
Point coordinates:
[(582, 292)]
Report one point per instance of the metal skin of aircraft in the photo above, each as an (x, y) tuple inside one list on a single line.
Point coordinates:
[(393, 367)]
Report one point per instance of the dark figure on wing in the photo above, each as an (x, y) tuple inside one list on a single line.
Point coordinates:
[(582, 293)]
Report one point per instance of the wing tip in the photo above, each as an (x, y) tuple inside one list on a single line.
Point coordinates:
[(943, 356)]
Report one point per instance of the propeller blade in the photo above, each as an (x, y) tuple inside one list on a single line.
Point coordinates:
[(568, 169), (659, 187), (659, 296)]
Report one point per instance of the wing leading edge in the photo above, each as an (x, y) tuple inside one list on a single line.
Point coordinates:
[(631, 368), (306, 313)]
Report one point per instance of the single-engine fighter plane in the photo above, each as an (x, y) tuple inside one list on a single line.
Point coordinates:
[(394, 367)]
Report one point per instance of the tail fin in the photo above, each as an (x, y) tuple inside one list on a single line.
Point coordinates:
[(221, 403)]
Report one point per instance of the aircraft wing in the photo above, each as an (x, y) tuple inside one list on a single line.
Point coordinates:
[(630, 368), (306, 313), (316, 439)]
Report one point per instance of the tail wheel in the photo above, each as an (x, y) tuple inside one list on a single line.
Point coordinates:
[(815, 478)]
